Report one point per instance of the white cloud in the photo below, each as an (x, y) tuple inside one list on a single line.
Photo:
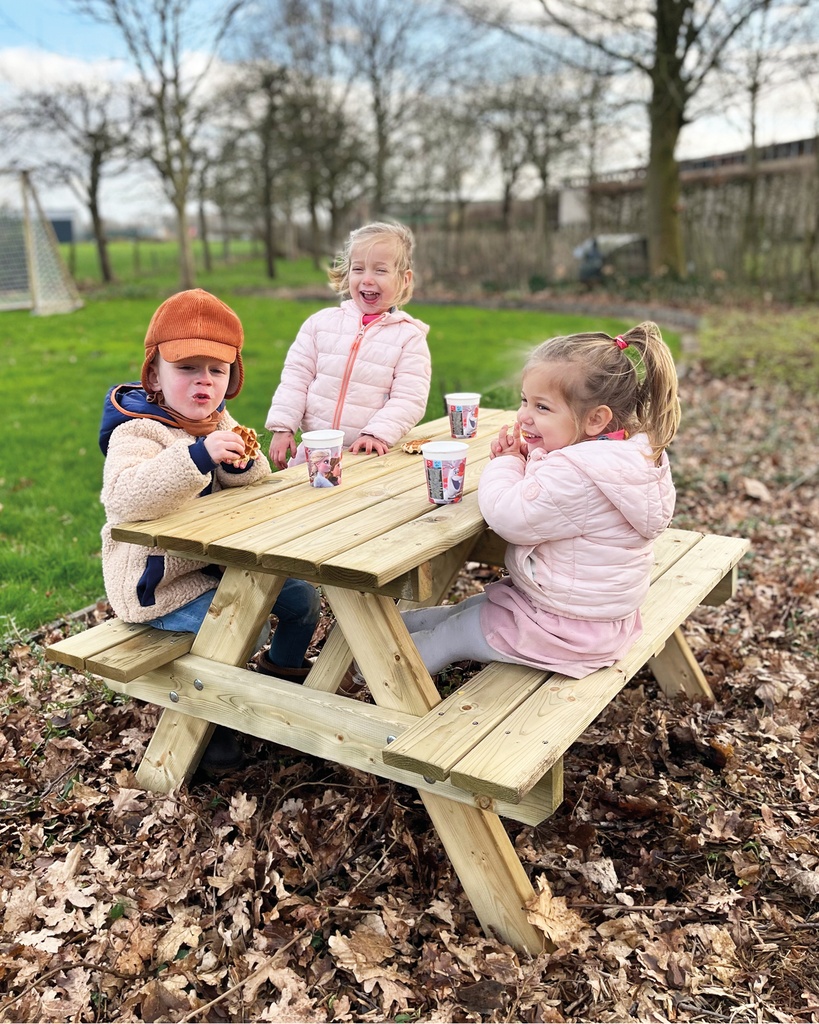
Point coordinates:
[(23, 67)]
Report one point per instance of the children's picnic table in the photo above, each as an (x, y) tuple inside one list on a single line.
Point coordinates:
[(375, 545)]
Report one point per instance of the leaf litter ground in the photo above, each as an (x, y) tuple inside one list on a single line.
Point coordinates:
[(679, 879)]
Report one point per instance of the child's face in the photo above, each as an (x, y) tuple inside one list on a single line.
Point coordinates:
[(373, 281), (193, 387), (545, 417)]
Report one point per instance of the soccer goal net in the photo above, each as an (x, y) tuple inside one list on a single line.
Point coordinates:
[(33, 274)]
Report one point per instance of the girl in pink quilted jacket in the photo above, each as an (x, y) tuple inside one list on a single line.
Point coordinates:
[(364, 366), (579, 487)]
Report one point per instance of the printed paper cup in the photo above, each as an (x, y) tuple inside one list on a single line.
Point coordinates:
[(323, 450), (444, 465), (462, 407)]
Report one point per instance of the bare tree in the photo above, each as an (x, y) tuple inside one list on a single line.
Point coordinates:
[(446, 155), (675, 46), (402, 53), (90, 125), (501, 113), (764, 60), (173, 91), (551, 113)]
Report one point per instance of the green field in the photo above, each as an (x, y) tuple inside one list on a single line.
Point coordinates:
[(56, 371)]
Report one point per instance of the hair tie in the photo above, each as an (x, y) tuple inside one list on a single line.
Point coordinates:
[(620, 342)]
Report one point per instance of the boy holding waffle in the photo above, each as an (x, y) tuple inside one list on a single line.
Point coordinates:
[(166, 440)]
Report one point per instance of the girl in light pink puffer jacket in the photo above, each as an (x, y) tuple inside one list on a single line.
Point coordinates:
[(580, 517), (364, 366)]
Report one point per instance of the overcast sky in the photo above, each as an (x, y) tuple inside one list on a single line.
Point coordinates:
[(43, 42)]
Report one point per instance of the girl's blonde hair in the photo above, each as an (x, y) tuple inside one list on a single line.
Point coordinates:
[(641, 392), (397, 235)]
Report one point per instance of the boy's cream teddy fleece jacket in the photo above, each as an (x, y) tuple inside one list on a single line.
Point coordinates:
[(150, 472)]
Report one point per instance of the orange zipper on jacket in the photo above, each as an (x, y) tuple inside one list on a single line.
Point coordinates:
[(348, 369)]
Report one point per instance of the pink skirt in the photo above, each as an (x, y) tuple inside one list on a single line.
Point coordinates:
[(529, 635)]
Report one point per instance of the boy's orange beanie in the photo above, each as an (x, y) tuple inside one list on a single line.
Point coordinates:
[(196, 323)]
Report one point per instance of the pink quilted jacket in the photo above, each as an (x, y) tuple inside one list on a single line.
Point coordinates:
[(371, 379), (580, 524)]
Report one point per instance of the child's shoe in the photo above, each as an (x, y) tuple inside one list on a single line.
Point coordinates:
[(290, 675), (351, 685), (223, 753)]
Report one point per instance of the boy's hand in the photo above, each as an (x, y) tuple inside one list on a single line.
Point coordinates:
[(225, 446), (282, 443), (508, 444), (368, 444)]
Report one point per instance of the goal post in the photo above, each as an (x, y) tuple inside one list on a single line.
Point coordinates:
[(33, 274)]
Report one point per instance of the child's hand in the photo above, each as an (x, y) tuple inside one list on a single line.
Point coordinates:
[(226, 446), (368, 444), (283, 441), (508, 444)]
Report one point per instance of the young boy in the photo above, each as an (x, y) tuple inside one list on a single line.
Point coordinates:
[(167, 440)]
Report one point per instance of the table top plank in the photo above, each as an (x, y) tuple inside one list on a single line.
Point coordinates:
[(309, 552), (198, 512), (395, 552), (240, 525), (322, 520)]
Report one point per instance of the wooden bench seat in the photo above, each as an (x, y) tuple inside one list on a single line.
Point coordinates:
[(500, 733), (120, 650)]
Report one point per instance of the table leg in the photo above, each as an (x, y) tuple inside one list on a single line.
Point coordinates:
[(677, 672), (489, 870), (228, 635), (441, 572), (333, 661), (475, 840), (386, 656)]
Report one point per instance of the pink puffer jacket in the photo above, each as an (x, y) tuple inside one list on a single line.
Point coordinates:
[(338, 373), (580, 523)]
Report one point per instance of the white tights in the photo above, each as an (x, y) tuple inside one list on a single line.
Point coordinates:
[(447, 633)]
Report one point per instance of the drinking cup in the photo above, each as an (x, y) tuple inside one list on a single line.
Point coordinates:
[(323, 450), (462, 407), (444, 466)]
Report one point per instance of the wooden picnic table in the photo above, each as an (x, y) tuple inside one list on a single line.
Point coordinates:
[(376, 545)]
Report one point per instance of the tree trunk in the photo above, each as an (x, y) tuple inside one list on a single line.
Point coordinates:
[(203, 235), (223, 217), (811, 238), (106, 273), (97, 224), (669, 95), (665, 246), (187, 272), (315, 231), (269, 241), (751, 238)]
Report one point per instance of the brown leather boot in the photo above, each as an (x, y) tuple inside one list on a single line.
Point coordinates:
[(290, 675)]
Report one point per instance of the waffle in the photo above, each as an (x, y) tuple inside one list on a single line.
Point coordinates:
[(413, 447), (248, 435)]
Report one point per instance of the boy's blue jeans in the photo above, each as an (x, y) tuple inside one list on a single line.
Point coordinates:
[(297, 608)]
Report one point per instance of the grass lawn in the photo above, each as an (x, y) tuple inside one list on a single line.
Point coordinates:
[(55, 372)]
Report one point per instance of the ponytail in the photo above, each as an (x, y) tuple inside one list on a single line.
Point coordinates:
[(641, 392), (657, 408)]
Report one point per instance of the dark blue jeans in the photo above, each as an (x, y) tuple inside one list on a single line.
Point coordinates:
[(297, 608)]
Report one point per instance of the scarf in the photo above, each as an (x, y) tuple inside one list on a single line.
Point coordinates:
[(170, 417), (196, 428)]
